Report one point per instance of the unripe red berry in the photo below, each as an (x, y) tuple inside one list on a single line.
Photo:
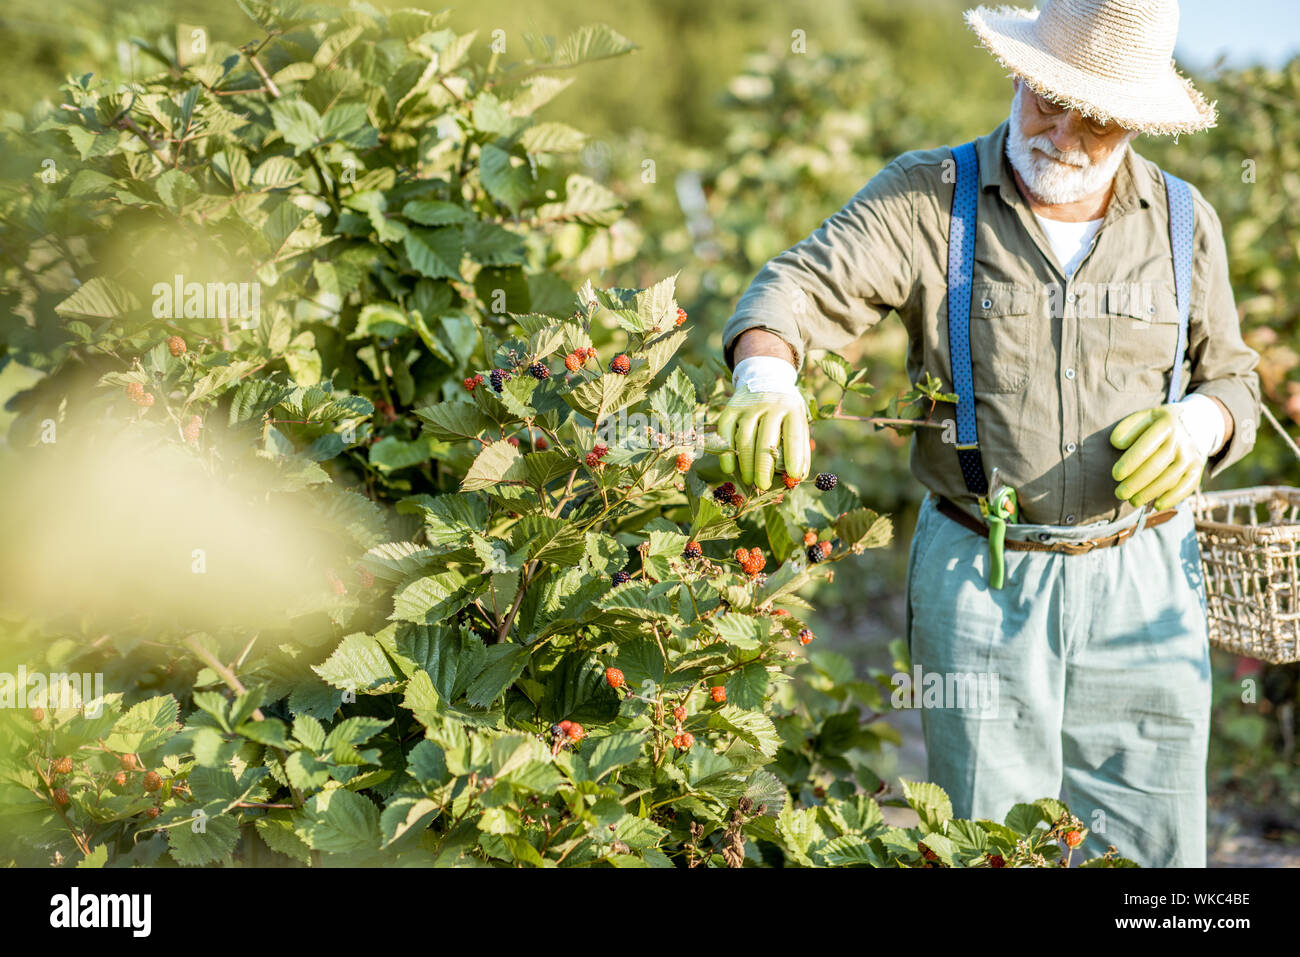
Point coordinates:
[(176, 345), (692, 550), (119, 779), (614, 678), (192, 429), (683, 462), (60, 796), (146, 400), (152, 782), (513, 441), (686, 741), (573, 362), (737, 499), (718, 693), (679, 713), (151, 812), (825, 548), (542, 445), (134, 391), (576, 733), (742, 555), (63, 765), (1073, 838), (128, 762), (681, 316), (38, 714), (997, 860), (620, 364), (367, 578), (810, 538)]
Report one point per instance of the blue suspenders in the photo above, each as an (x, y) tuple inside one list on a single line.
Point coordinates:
[(961, 268)]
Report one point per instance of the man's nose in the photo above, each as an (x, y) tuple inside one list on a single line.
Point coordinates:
[(1067, 132)]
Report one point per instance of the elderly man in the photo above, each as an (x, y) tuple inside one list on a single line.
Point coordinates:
[(1077, 301)]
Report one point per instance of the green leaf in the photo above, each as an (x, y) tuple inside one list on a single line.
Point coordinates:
[(99, 298), (450, 421), (585, 201), (864, 528), (433, 598), (753, 727), (340, 822), (359, 665), (146, 726), (930, 803), (435, 253), (490, 466), (203, 841), (505, 664), (383, 319), (595, 42), (436, 212), (298, 122), (506, 177), (622, 747), (550, 540)]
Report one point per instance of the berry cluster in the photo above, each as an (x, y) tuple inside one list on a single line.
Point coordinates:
[(826, 481), (595, 455), (566, 732), (751, 560), (499, 376), (683, 463), (718, 693), (539, 371), (192, 429), (724, 493), (692, 550), (684, 741), (135, 392), (621, 578), (620, 364), (473, 382), (818, 551), (681, 316), (176, 345)]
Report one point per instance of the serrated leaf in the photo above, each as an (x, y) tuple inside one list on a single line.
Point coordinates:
[(490, 466), (359, 665), (99, 298)]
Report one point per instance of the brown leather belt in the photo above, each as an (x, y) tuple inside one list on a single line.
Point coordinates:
[(963, 517)]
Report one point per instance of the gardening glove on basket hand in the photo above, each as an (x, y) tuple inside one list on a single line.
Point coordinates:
[(1166, 450), (766, 415)]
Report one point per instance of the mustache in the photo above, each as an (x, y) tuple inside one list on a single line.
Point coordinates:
[(1076, 158)]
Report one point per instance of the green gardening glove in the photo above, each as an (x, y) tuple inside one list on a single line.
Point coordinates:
[(1164, 456), (766, 415)]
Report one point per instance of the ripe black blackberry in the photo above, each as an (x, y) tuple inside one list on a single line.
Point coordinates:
[(826, 481), (621, 578), (692, 550), (723, 493), (814, 553), (538, 370), (497, 377)]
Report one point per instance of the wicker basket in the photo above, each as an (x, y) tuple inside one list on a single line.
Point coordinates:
[(1250, 554)]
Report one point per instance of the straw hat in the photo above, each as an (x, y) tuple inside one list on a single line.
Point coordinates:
[(1108, 59)]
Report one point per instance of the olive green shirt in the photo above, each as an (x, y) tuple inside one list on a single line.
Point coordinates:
[(1057, 363)]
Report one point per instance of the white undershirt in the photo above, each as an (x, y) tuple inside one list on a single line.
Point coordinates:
[(1069, 241)]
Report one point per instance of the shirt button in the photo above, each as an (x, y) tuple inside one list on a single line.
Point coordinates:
[(1069, 520), (1069, 297), (1069, 373), (1070, 448)]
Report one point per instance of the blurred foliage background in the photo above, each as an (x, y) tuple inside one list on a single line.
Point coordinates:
[(732, 132)]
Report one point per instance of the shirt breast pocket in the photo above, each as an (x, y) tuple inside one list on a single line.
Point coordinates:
[(1001, 336), (1143, 335)]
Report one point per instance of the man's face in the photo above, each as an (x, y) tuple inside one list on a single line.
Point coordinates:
[(1061, 155)]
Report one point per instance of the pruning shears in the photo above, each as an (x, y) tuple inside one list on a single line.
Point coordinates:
[(998, 508)]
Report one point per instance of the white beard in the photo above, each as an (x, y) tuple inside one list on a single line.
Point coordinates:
[(1049, 181)]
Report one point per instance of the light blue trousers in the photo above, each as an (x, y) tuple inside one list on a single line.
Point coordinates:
[(1101, 672)]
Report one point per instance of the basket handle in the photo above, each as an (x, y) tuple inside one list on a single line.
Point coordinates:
[(1280, 431)]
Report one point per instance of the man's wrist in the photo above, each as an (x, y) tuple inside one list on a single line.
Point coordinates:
[(765, 374), (761, 342), (1204, 419)]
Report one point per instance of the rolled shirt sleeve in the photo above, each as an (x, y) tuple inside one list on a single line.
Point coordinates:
[(828, 289), (1223, 366)]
